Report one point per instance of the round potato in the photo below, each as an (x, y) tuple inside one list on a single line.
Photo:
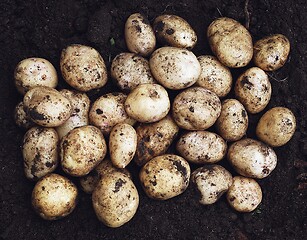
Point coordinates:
[(276, 127), (271, 52), (230, 42), (232, 124), (196, 108), (165, 176), (83, 68), (21, 118), (174, 68), (147, 103), (201, 147), (253, 89), (252, 158)]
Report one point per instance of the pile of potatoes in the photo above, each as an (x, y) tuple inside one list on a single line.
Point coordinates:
[(95, 140)]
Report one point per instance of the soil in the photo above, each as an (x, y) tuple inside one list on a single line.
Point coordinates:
[(43, 28)]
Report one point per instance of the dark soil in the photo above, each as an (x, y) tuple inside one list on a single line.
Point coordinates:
[(43, 27)]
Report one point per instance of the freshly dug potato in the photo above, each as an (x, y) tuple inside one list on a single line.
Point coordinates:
[(201, 147), (139, 35), (34, 72), (214, 75), (129, 70), (252, 158), (174, 68), (83, 68), (276, 127), (54, 197), (165, 176), (40, 152), (108, 110), (244, 195), (21, 118), (81, 150), (153, 139), (174, 31), (230, 42), (115, 199), (46, 106), (212, 181), (271, 52), (253, 89), (232, 124), (196, 108), (147, 103), (122, 144)]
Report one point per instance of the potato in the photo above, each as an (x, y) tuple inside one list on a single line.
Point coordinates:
[(232, 124), (122, 144), (252, 158), (253, 89), (40, 152), (165, 176), (201, 147), (83, 68), (271, 52), (139, 35), (46, 106), (153, 139), (174, 68), (115, 199), (129, 70), (212, 181), (147, 103), (21, 118), (230, 42), (174, 31), (214, 76), (54, 197), (244, 195), (276, 127), (196, 108), (108, 110), (81, 150), (34, 72)]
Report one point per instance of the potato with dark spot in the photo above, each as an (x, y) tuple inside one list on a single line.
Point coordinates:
[(21, 118)]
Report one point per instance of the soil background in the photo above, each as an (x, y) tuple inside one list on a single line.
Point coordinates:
[(43, 28)]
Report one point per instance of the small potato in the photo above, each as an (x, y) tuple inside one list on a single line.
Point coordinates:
[(139, 35), (174, 31), (129, 70), (271, 52), (214, 76), (276, 127), (83, 68), (108, 110), (34, 72), (174, 68), (252, 158), (147, 103), (230, 42), (244, 195), (21, 118), (115, 199), (232, 124), (46, 106), (253, 89), (165, 176), (54, 197), (40, 152), (81, 150), (196, 108), (122, 144), (212, 181), (201, 147)]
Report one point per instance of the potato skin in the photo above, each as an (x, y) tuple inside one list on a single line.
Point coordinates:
[(276, 127), (271, 52), (230, 42), (21, 118)]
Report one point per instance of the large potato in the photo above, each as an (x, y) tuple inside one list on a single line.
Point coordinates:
[(230, 42)]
